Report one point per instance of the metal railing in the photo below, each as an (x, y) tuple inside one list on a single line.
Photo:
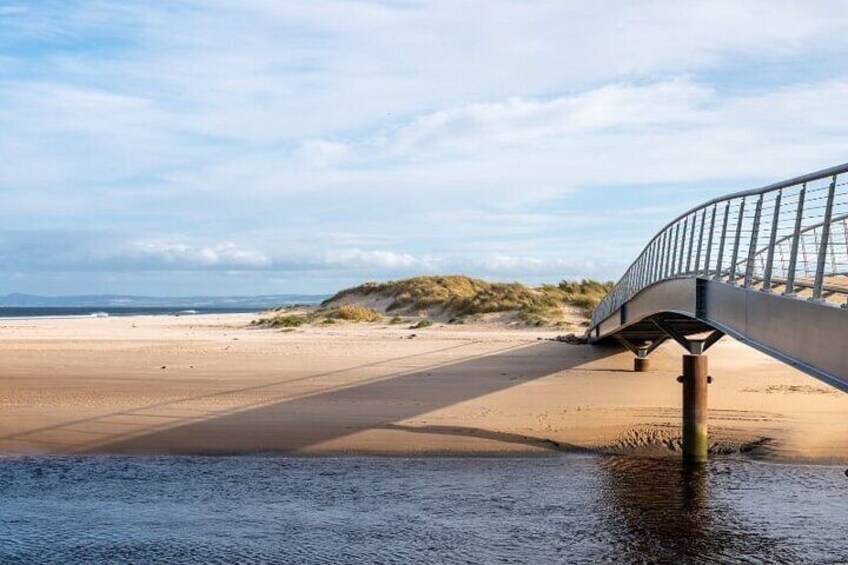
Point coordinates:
[(789, 237)]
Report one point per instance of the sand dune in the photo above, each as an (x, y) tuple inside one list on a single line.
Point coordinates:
[(211, 384)]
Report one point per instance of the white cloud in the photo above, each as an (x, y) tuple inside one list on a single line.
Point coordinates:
[(157, 253), (358, 258), (520, 121), (511, 265), (318, 153)]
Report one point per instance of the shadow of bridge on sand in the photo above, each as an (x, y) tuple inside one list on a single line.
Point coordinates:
[(295, 413)]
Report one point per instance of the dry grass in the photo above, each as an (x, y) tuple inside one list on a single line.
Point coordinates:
[(284, 318), (281, 321), (352, 313), (458, 296)]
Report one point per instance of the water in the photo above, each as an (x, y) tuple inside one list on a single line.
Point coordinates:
[(570, 509), (103, 311)]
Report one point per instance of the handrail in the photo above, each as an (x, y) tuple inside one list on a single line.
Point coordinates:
[(818, 175), (809, 211)]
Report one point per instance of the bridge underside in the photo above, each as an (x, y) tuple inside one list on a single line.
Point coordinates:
[(650, 330), (808, 335)]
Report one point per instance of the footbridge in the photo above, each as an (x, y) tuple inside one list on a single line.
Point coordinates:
[(767, 266)]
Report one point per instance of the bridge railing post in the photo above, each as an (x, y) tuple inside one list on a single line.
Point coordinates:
[(658, 263), (710, 242), (625, 282), (796, 237), (652, 264), (722, 241), (821, 259), (640, 273), (700, 243), (673, 269), (691, 243), (752, 245), (737, 238), (775, 220)]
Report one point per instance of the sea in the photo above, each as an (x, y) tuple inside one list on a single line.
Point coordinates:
[(31, 306), (109, 311), (328, 510)]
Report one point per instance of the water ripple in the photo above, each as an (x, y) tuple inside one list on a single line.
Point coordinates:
[(570, 509)]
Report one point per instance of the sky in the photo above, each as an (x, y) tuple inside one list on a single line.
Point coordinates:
[(190, 147)]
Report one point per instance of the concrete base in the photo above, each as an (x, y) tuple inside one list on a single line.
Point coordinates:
[(641, 364)]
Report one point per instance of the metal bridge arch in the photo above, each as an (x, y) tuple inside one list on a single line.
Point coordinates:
[(768, 266)]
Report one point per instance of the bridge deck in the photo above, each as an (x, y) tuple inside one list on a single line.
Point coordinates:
[(808, 335)]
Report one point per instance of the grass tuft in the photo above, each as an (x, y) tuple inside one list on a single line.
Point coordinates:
[(281, 321), (347, 313), (352, 313)]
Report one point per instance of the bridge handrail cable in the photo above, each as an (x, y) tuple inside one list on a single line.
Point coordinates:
[(793, 231)]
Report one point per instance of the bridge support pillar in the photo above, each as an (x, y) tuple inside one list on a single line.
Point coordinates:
[(695, 380), (641, 364)]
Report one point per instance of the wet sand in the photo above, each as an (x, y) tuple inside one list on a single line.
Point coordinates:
[(212, 384)]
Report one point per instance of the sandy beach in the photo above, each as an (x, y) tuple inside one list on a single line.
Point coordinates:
[(213, 384)]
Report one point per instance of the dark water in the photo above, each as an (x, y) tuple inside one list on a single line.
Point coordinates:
[(571, 509)]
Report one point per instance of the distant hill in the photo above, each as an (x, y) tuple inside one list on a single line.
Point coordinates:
[(127, 301)]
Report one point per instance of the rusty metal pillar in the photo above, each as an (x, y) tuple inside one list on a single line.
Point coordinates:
[(641, 364), (695, 381)]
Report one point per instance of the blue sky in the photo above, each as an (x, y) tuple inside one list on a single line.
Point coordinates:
[(259, 146)]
